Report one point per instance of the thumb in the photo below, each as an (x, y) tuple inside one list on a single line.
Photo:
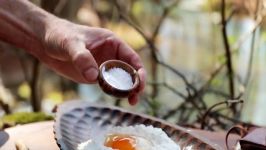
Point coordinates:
[(84, 62)]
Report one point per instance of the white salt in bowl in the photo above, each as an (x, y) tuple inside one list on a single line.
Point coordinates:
[(118, 78)]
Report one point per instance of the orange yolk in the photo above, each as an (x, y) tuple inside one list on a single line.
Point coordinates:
[(120, 142)]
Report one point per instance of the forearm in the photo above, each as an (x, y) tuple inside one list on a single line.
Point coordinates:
[(23, 24)]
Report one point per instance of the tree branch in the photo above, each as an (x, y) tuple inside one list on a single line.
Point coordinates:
[(35, 99), (252, 48), (153, 48), (228, 102), (165, 13), (229, 65), (163, 84)]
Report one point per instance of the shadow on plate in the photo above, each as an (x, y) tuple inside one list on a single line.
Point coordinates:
[(3, 138)]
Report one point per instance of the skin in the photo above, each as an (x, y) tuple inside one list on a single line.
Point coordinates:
[(73, 51)]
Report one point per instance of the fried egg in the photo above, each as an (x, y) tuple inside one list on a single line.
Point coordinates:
[(139, 137)]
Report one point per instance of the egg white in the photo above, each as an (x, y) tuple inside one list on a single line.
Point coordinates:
[(142, 143), (146, 137), (92, 145)]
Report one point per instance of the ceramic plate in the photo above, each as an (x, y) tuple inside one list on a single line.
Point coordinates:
[(78, 121)]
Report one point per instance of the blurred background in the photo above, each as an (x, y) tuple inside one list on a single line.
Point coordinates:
[(205, 61)]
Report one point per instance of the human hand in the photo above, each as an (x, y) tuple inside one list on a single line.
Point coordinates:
[(75, 52)]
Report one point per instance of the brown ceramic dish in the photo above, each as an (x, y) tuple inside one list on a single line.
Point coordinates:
[(109, 89), (79, 121)]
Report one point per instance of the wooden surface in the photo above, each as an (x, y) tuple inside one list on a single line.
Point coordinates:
[(36, 136), (39, 136)]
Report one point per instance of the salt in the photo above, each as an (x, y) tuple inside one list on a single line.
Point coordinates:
[(118, 78)]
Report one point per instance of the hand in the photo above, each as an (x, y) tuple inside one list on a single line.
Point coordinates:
[(76, 51)]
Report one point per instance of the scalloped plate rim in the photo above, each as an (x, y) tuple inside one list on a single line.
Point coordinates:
[(72, 104)]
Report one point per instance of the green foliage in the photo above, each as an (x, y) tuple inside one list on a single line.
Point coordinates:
[(137, 8), (24, 91), (23, 118), (232, 39), (263, 35), (221, 59), (211, 5)]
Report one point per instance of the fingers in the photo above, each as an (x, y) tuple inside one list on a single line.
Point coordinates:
[(127, 54), (63, 68), (132, 100), (142, 77), (84, 62), (66, 69)]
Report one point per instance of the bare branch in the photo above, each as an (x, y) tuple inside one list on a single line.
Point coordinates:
[(59, 7), (152, 46), (178, 73), (173, 111), (170, 88), (218, 92), (231, 15), (5, 107), (252, 48), (243, 38), (166, 11), (195, 96), (212, 76), (259, 16), (230, 71), (35, 99), (228, 102)]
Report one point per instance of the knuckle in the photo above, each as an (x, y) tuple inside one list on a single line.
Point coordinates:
[(57, 39), (69, 43), (108, 32), (79, 58), (65, 42)]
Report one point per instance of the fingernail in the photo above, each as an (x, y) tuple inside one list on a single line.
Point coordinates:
[(91, 74)]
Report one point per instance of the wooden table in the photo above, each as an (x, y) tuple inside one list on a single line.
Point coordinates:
[(36, 136), (40, 136)]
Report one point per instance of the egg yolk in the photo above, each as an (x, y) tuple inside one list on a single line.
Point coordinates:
[(120, 142)]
